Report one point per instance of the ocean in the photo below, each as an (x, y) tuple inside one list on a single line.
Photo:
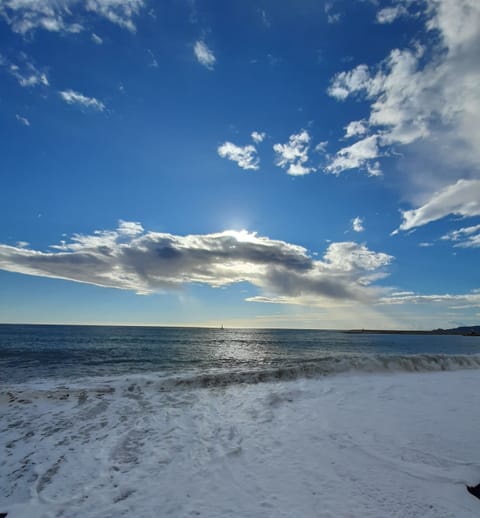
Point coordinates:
[(103, 421), (34, 352)]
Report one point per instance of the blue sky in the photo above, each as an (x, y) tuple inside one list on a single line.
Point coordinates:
[(263, 164)]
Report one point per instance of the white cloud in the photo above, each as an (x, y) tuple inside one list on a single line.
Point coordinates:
[(246, 156), (399, 109), (466, 237), (471, 299), (331, 16), (461, 199), (258, 137), (347, 83), (129, 228), (426, 94), (355, 128), (153, 63), (390, 14), (293, 155), (60, 16), (321, 147), (130, 258), (72, 97), (358, 155), (350, 256), (374, 169), (402, 107), (264, 17), (204, 55), (119, 12), (357, 224), (28, 75), (401, 293), (96, 39), (22, 120)]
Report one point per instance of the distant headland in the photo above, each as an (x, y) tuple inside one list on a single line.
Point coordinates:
[(464, 331)]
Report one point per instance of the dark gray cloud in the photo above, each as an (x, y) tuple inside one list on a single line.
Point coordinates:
[(133, 259)]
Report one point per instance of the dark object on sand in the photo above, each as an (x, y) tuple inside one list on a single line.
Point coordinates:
[(474, 490)]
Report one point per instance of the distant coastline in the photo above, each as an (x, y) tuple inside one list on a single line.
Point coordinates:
[(464, 331)]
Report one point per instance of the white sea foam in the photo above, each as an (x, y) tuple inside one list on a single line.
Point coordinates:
[(287, 370), (349, 445)]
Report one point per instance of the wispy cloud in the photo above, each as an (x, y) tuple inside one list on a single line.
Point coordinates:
[(29, 15), (258, 137), (153, 62), (390, 14), (471, 299), (204, 55), (72, 97), (293, 156), (264, 17), (466, 237), (28, 75), (96, 39), (119, 12), (332, 17), (461, 199), (132, 259), (22, 120), (246, 157)]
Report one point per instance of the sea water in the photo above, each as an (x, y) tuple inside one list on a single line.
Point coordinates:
[(33, 352), (115, 421)]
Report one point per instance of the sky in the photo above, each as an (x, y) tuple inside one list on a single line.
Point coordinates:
[(309, 164)]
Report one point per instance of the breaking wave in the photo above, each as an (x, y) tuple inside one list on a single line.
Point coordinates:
[(134, 384), (327, 366)]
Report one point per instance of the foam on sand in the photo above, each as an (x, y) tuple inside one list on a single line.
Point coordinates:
[(349, 445)]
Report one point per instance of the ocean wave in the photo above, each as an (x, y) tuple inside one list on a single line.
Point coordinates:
[(327, 366), (330, 365)]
